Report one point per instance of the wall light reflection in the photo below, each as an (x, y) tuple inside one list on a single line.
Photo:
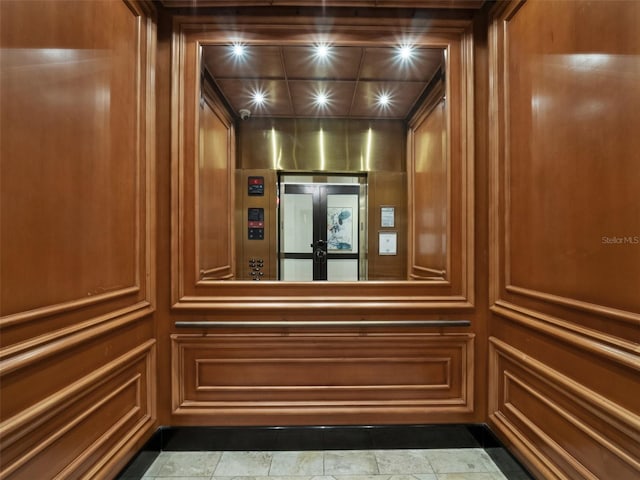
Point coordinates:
[(321, 144)]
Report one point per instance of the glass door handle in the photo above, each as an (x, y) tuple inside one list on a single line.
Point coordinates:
[(319, 256)]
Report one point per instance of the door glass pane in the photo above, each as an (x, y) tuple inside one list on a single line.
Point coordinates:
[(297, 270), (342, 223), (342, 270), (297, 223)]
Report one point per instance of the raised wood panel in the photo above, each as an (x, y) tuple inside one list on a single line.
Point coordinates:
[(214, 191), (578, 187), (563, 428), (31, 374), (431, 203), (77, 354), (72, 168), (58, 435), (565, 262), (233, 376), (565, 173)]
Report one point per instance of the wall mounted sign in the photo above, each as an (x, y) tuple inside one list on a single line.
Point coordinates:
[(387, 243), (387, 216)]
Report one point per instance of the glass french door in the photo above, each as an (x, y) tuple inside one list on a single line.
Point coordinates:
[(319, 231)]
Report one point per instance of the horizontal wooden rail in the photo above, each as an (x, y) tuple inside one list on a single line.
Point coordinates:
[(324, 323)]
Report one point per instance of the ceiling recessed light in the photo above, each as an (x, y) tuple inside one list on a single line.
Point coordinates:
[(383, 99), (322, 51), (405, 52), (321, 99), (238, 50), (258, 97)]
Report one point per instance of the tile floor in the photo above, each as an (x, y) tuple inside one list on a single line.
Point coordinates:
[(407, 464)]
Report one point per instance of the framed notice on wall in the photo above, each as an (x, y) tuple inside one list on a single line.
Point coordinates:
[(387, 216), (387, 243)]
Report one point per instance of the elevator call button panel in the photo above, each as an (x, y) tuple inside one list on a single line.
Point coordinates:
[(255, 223), (255, 186)]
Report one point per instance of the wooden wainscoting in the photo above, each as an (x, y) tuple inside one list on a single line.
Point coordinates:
[(77, 353), (322, 378), (571, 429), (565, 239)]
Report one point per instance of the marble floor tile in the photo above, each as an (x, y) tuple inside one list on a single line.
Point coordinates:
[(157, 464), (422, 476), (350, 462), (426, 476), (175, 478), (460, 461), (403, 461), (408, 464), (297, 463), (361, 477), (472, 476), (188, 464), (244, 464)]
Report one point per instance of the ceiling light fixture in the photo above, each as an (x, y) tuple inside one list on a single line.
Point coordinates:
[(321, 99), (238, 50), (383, 99), (405, 52), (258, 97), (322, 51)]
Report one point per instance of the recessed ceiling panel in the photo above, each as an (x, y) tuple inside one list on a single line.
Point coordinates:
[(391, 100), (308, 98), (335, 81), (246, 94), (330, 62), (256, 61), (387, 63)]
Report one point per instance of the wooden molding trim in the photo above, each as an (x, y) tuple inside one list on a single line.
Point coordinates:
[(25, 421), (624, 421), (527, 451), (607, 346), (333, 305), (194, 396), (576, 422), (322, 324), (456, 4), (39, 348), (531, 452), (35, 416), (22, 317), (592, 308)]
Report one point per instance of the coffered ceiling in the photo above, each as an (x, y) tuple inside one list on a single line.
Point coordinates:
[(297, 81)]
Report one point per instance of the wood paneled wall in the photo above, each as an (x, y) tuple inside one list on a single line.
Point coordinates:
[(387, 189), (214, 191), (294, 367), (565, 236), (431, 196), (307, 378), (77, 354)]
